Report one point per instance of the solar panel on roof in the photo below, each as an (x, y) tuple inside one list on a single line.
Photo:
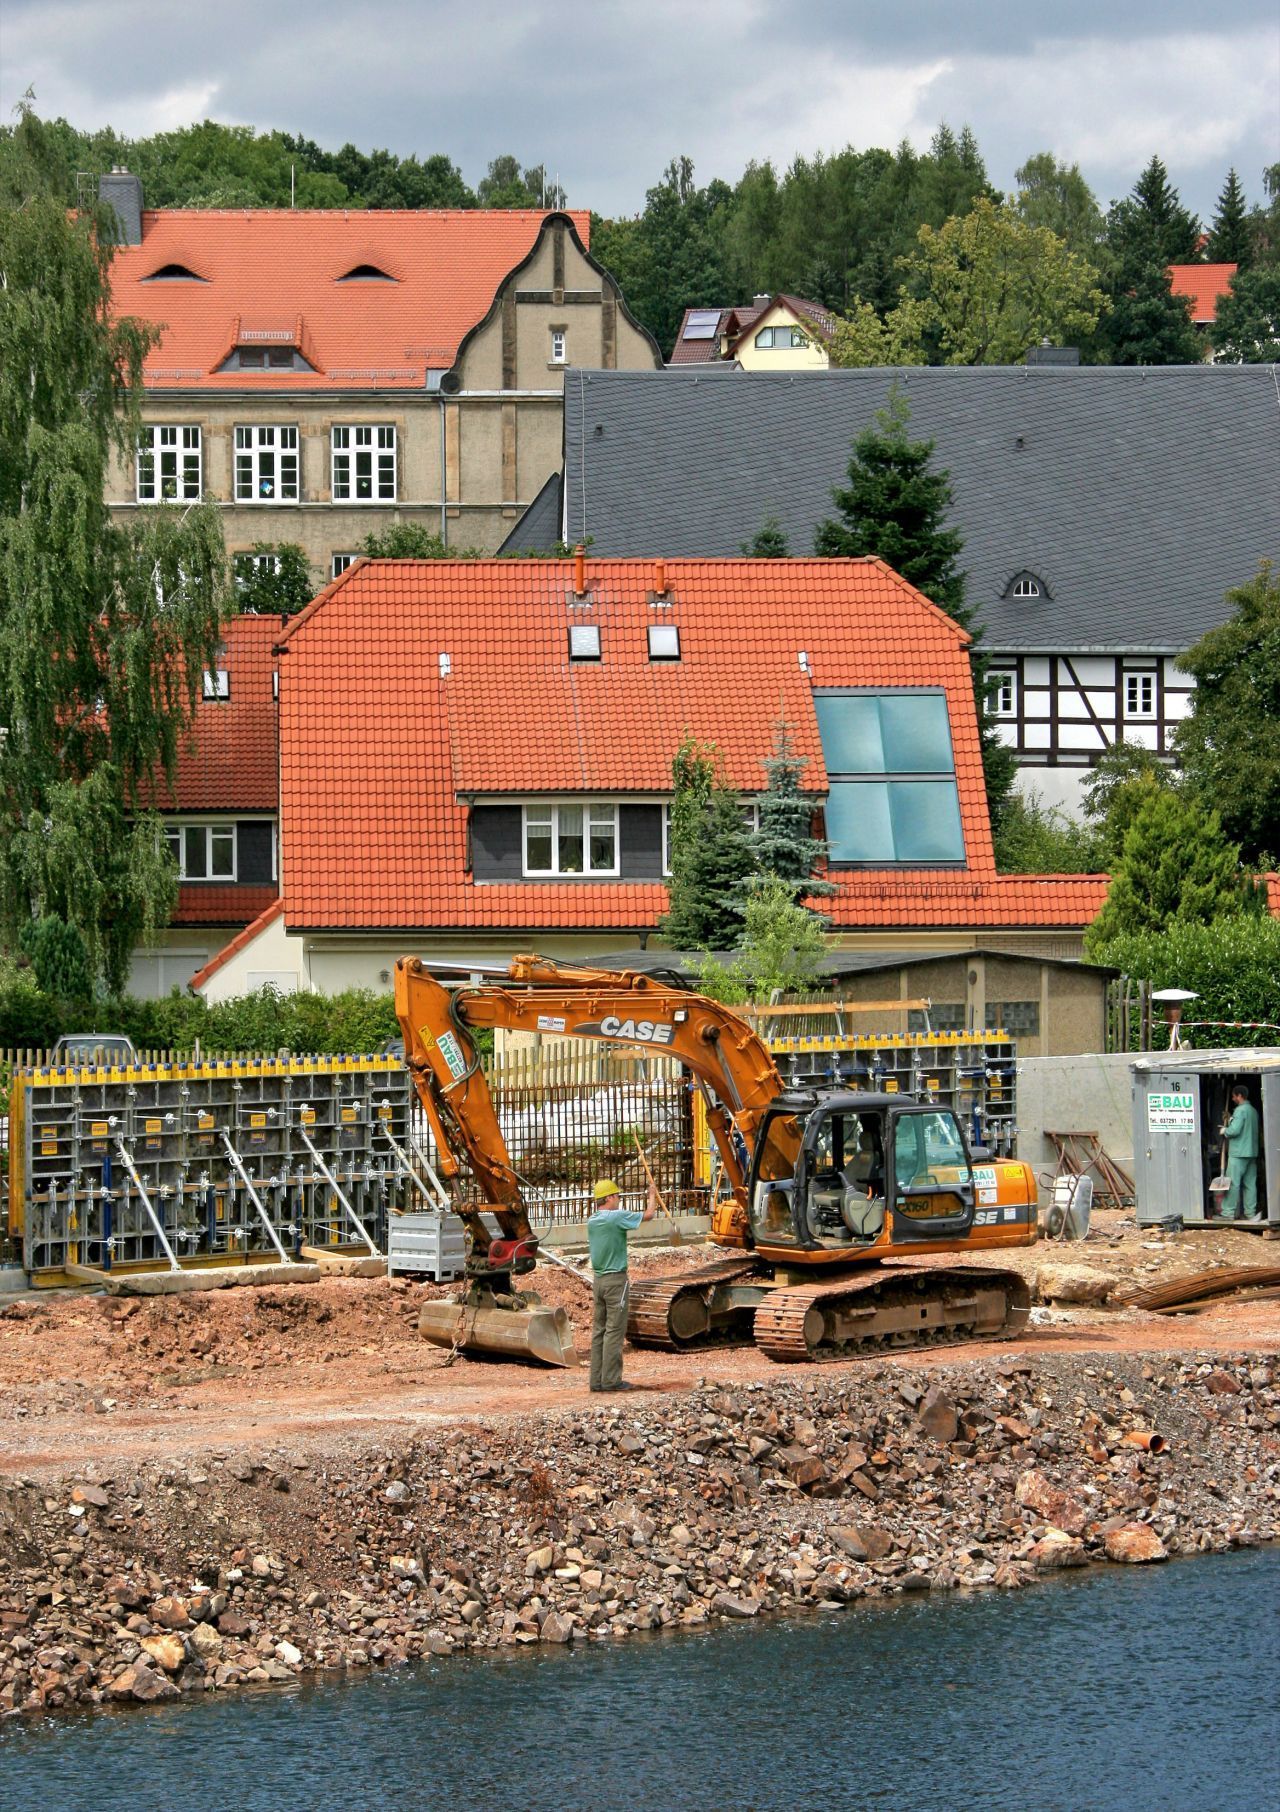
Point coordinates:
[(702, 324)]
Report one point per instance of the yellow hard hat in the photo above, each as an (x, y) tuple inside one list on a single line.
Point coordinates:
[(605, 1188)]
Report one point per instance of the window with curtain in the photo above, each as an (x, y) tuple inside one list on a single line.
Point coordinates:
[(889, 760)]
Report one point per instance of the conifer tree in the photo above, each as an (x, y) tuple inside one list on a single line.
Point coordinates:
[(710, 856), (769, 541), (105, 627), (896, 506), (1147, 232), (784, 847), (1159, 207), (1230, 236), (1176, 866)]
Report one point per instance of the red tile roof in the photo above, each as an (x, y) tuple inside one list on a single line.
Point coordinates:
[(380, 734), (238, 943), (275, 273), (229, 761), (1203, 285), (208, 903)]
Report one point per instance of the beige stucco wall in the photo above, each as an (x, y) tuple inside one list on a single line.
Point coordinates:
[(812, 357)]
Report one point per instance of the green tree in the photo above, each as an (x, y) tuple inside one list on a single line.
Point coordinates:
[(1147, 232), (1117, 785), (1032, 838), (1230, 239), (105, 627), (710, 855), (1229, 743), (1175, 866), (782, 949), (275, 579), (58, 958), (785, 848), (769, 541), (897, 506), (506, 185), (1264, 221), (672, 257), (1246, 330), (1232, 965), (412, 541), (1056, 196)]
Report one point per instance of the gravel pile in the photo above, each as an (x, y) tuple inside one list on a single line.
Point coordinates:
[(817, 1489)]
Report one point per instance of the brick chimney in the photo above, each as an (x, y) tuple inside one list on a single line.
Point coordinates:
[(121, 191)]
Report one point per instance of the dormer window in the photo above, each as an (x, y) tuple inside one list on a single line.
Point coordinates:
[(365, 273), (1026, 585), (174, 273), (266, 358)]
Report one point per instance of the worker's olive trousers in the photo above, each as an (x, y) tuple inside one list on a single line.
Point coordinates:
[(608, 1325)]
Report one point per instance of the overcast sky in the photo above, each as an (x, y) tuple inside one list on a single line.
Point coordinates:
[(607, 91)]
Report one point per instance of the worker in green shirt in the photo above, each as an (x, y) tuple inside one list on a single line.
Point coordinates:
[(607, 1231), (1240, 1143)]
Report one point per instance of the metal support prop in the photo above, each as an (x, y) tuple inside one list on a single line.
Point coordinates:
[(439, 1199), (132, 1168), (332, 1181), (446, 1200), (254, 1197)]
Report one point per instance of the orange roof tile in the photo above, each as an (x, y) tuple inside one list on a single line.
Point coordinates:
[(206, 903), (1203, 285), (237, 943), (228, 762), (276, 273), (409, 687)]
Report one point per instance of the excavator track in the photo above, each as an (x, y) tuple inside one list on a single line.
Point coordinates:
[(894, 1307), (674, 1312)]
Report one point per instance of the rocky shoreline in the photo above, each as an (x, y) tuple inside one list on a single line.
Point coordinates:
[(127, 1583)]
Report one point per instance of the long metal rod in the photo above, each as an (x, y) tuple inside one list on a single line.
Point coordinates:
[(446, 1200), (146, 1203), (254, 1197), (332, 1181), (402, 1160)]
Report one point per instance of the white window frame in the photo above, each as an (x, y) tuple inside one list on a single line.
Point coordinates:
[(666, 838), (216, 683), (544, 814), (256, 447), (1002, 684), (349, 444), (1025, 587), (1135, 686), (339, 562), (245, 563), (559, 346), (170, 463), (657, 633), (796, 341), (218, 831)]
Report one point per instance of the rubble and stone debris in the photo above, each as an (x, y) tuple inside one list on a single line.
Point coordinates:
[(139, 1580)]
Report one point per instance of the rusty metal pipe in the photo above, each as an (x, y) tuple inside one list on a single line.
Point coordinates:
[(1144, 1438)]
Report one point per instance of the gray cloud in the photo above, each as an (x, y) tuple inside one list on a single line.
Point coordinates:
[(607, 93)]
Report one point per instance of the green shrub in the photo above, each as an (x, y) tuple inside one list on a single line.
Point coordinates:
[(1233, 965)]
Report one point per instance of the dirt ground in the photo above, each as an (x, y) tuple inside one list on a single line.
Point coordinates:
[(85, 1376)]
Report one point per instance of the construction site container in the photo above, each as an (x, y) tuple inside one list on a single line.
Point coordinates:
[(1180, 1101)]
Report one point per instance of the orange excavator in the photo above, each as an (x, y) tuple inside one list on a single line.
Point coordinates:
[(838, 1201)]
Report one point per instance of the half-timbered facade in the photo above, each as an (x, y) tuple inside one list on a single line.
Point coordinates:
[(1105, 512)]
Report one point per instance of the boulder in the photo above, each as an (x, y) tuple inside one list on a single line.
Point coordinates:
[(729, 1604), (1136, 1544), (937, 1417), (1034, 1492), (168, 1650), (1057, 1550), (205, 1641), (556, 1627), (1073, 1283)]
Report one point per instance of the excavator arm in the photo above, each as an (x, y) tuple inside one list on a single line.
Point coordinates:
[(730, 1063)]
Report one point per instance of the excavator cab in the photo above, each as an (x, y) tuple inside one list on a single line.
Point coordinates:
[(844, 1170)]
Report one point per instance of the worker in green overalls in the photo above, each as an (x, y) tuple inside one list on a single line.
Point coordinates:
[(1240, 1144)]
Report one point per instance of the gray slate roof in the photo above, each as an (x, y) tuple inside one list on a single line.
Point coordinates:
[(538, 529), (1138, 496)]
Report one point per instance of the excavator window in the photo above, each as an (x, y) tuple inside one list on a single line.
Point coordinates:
[(931, 1166), (777, 1152)]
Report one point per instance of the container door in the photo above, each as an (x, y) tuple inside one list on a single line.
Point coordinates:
[(1269, 1166), (1170, 1163)]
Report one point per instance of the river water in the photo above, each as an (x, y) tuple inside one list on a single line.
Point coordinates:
[(1138, 1690)]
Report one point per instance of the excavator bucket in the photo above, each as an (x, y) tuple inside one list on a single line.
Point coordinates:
[(535, 1332)]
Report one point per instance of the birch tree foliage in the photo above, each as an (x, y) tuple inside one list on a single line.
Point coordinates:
[(105, 625)]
